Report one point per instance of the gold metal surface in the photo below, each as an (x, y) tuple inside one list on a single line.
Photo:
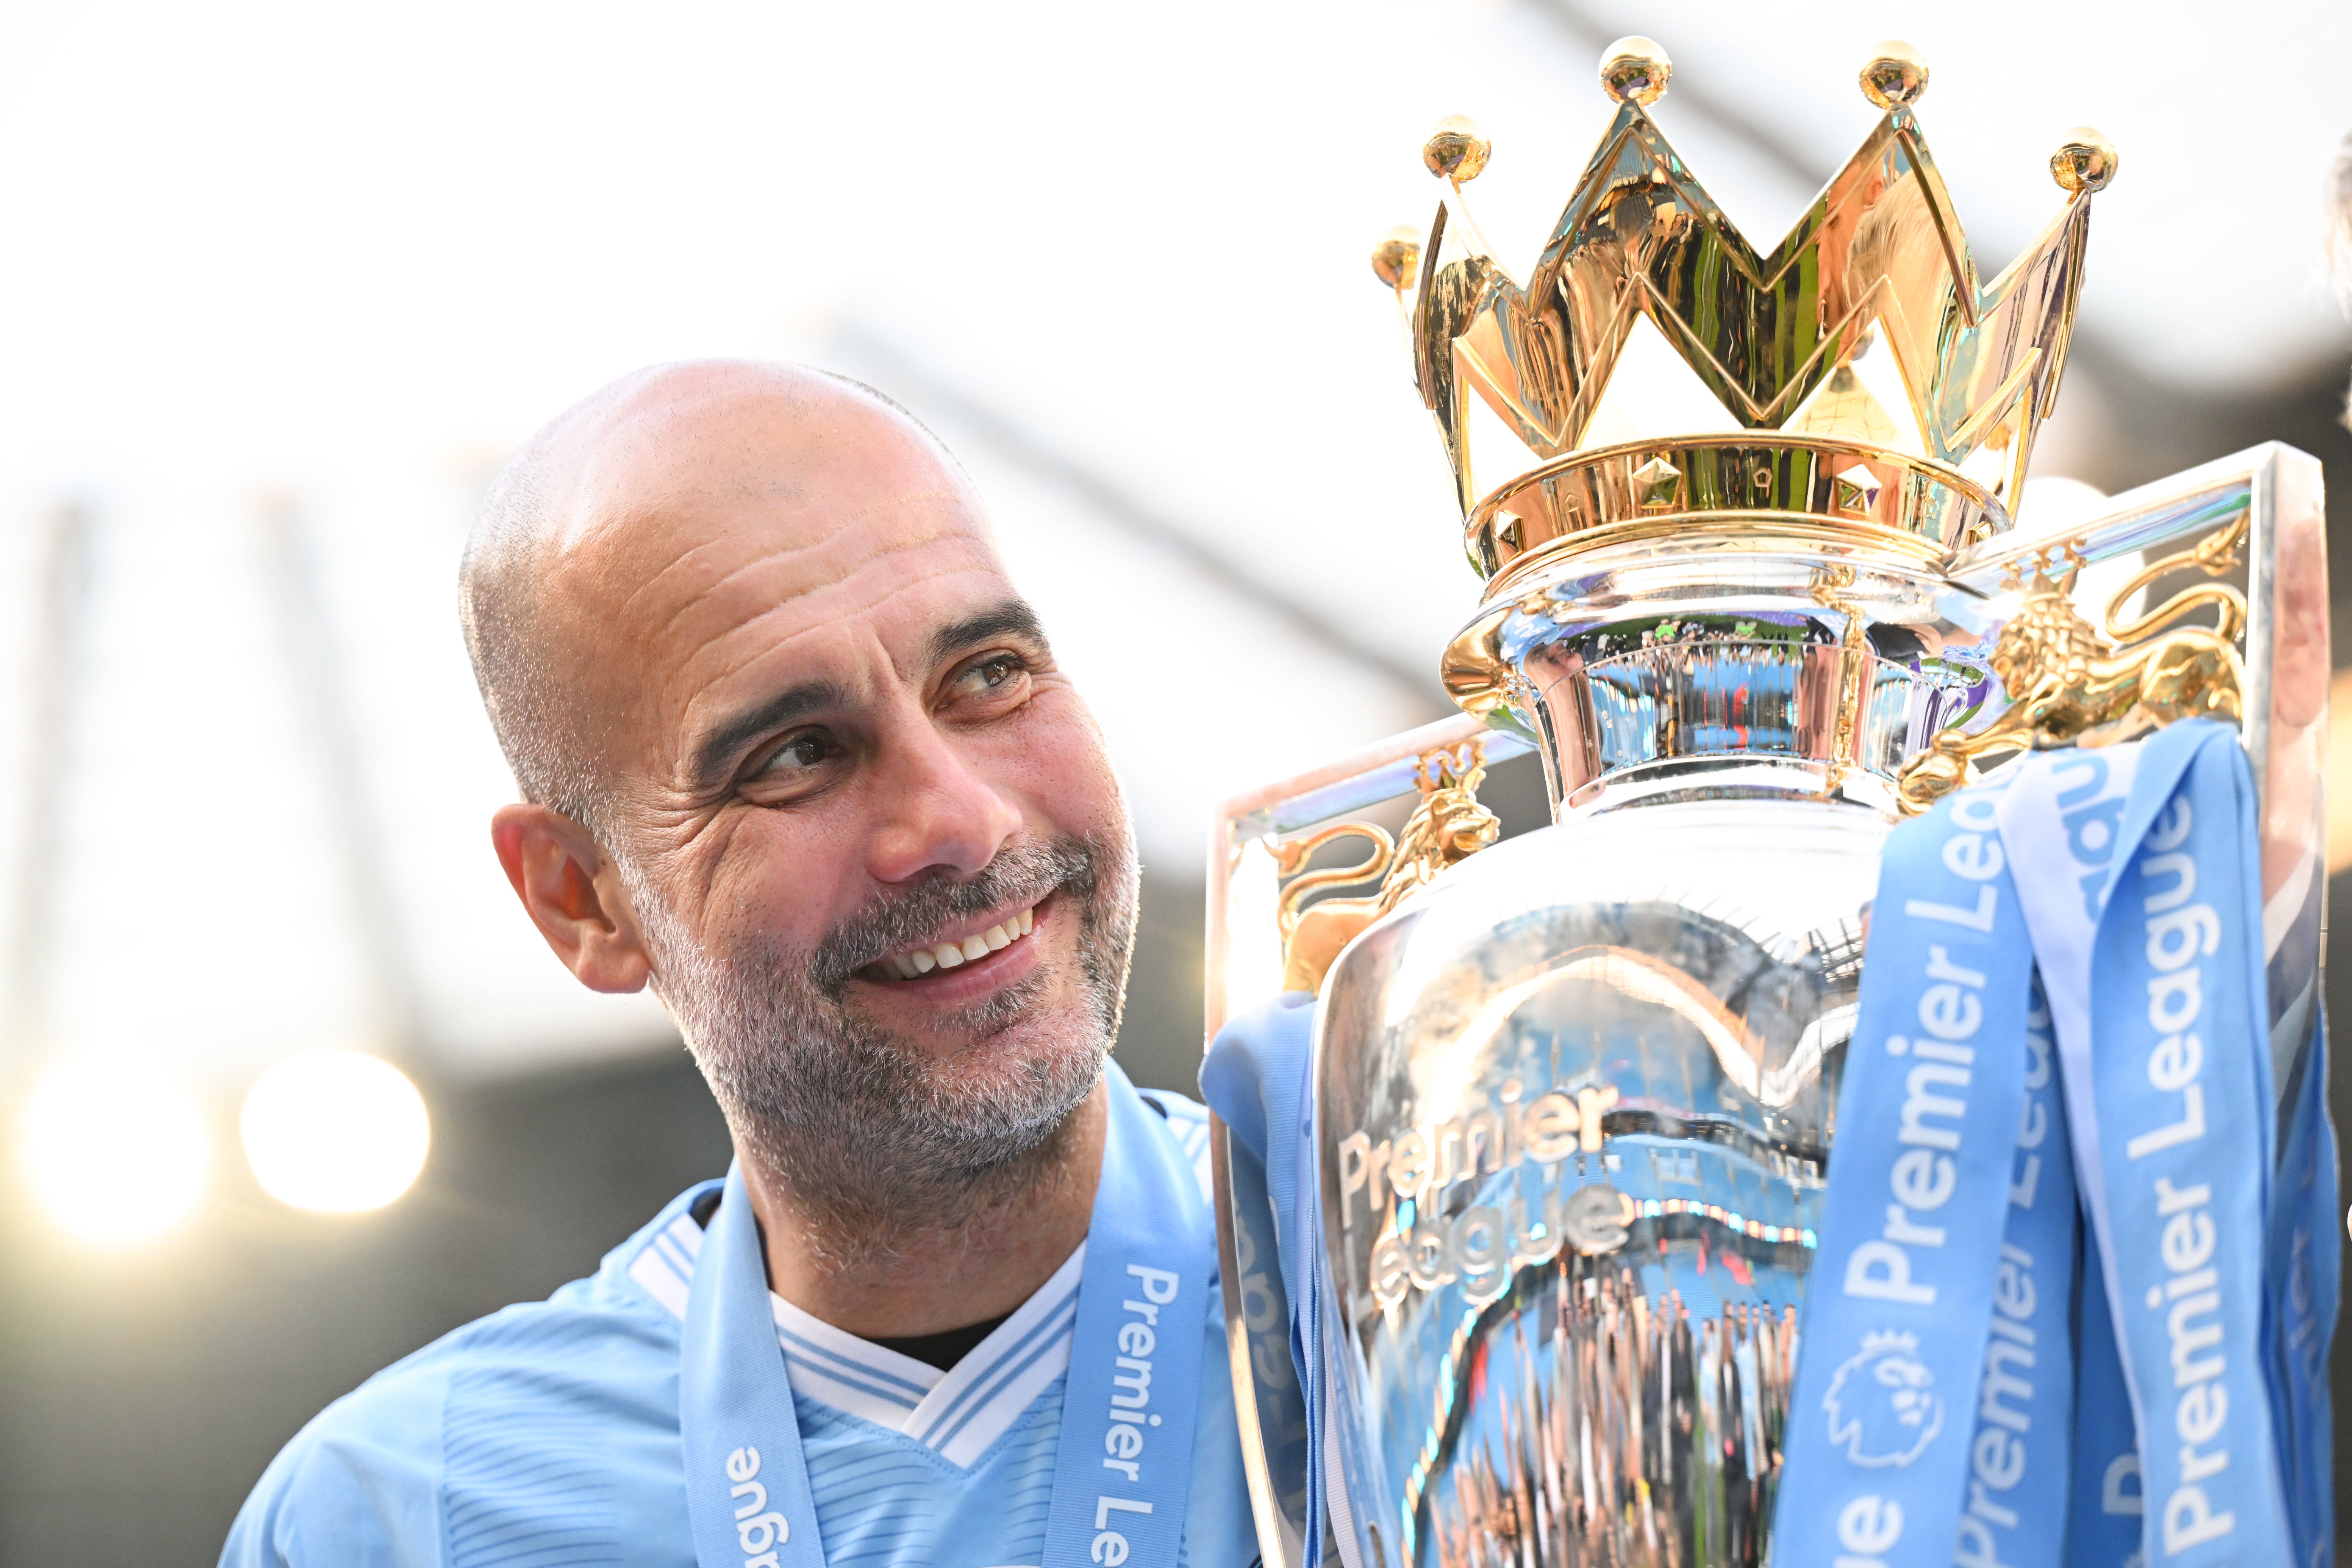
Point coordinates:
[(1457, 149), (1398, 256), (2085, 162), (1313, 934), (1590, 497), (1635, 69), (1896, 75), (2070, 683), (1877, 259), (1447, 826), (1830, 591)]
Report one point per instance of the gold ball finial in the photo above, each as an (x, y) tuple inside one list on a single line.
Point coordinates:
[(1398, 256), (2086, 161), (1635, 67), (1457, 149), (1896, 76)]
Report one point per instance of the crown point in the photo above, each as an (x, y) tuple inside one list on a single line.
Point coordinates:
[(1635, 67), (2085, 162), (1398, 256), (1457, 149), (1896, 76)]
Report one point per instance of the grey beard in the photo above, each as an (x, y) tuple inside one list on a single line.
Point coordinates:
[(877, 1141)]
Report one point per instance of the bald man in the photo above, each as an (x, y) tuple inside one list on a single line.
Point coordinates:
[(794, 753)]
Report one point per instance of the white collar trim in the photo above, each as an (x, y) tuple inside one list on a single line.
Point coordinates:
[(958, 1413)]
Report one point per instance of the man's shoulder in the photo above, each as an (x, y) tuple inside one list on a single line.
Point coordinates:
[(558, 1404), (593, 1339)]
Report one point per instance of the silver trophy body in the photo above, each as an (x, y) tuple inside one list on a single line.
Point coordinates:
[(1577, 1100)]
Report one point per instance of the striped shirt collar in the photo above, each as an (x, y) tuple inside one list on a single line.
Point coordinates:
[(957, 1413)]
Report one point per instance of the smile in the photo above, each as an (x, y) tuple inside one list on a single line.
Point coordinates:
[(917, 962)]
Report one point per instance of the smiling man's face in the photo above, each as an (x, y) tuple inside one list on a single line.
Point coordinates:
[(876, 860)]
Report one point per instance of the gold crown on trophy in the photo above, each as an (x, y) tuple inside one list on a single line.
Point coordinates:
[(1873, 395)]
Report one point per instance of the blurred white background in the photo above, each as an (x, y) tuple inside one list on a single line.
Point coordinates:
[(283, 284)]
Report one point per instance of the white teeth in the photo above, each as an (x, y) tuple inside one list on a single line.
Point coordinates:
[(948, 955)]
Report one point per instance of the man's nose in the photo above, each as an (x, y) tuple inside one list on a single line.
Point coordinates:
[(938, 812)]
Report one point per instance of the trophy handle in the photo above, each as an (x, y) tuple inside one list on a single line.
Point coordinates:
[(1245, 962), (2073, 681), (1244, 950), (2269, 502)]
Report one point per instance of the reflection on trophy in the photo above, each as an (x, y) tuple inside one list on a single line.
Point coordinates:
[(1576, 1094)]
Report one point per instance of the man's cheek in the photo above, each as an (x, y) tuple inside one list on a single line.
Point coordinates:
[(1056, 760), (779, 875)]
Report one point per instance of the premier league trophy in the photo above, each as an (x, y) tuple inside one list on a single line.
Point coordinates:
[(1533, 1288)]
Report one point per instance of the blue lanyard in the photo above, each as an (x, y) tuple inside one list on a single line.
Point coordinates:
[(1935, 1419), (1122, 1472), (1921, 1245), (2139, 871)]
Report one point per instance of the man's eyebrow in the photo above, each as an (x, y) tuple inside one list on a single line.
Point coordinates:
[(712, 754), (1012, 618)]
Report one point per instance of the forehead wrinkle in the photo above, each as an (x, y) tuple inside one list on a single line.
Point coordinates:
[(817, 601), (897, 585), (677, 562), (802, 552)]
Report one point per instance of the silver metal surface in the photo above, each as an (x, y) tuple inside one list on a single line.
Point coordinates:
[(1634, 663), (1576, 1111)]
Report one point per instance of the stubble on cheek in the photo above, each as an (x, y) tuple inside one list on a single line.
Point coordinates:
[(865, 1120)]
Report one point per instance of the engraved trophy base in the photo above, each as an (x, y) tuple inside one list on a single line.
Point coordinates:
[(1598, 1114)]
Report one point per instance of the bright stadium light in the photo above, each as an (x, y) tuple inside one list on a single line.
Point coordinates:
[(114, 1154), (335, 1131)]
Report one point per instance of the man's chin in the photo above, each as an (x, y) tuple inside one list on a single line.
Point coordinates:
[(1017, 1058)]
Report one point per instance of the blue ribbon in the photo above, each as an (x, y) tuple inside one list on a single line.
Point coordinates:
[(1913, 1260), (2170, 1081), (1255, 1077), (747, 1488), (2103, 1510), (2021, 1452), (1123, 1468)]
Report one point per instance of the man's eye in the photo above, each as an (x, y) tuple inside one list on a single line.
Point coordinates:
[(991, 675), (797, 755)]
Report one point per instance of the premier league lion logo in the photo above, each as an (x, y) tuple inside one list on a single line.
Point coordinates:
[(1882, 1405)]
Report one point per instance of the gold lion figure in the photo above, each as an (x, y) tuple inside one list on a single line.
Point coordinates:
[(1447, 826), (2070, 684)]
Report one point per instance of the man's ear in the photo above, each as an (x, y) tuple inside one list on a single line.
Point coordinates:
[(574, 894)]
